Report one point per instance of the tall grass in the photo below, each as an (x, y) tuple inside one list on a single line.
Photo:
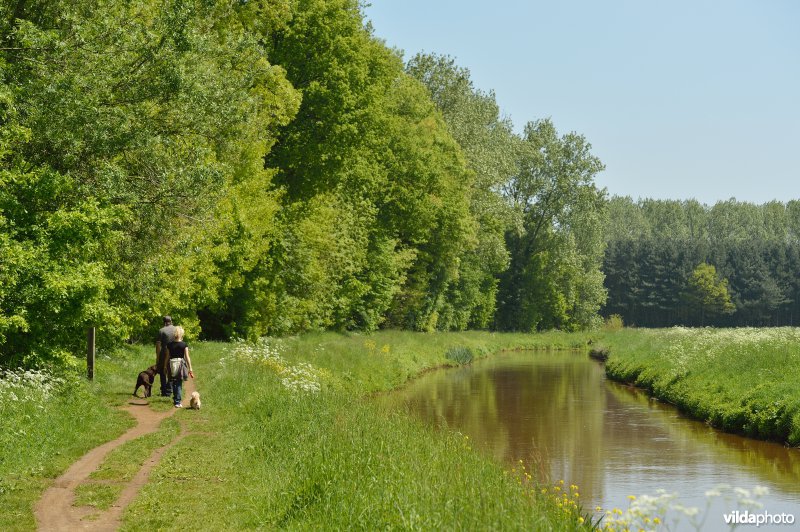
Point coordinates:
[(46, 423), (278, 455), (269, 449), (740, 380)]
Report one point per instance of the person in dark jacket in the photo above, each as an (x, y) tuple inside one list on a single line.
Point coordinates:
[(165, 335)]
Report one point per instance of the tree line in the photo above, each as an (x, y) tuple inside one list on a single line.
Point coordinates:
[(270, 167), (684, 263)]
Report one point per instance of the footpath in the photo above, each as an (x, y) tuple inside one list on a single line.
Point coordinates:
[(56, 512)]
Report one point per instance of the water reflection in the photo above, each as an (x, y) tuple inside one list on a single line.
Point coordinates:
[(556, 410)]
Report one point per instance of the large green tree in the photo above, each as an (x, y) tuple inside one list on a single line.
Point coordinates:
[(707, 293), (554, 280), (490, 148), (133, 158), (374, 191)]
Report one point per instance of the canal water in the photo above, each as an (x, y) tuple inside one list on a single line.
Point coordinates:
[(558, 413)]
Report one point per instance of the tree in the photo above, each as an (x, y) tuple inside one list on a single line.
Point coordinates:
[(706, 294), (490, 148), (554, 280), (144, 124)]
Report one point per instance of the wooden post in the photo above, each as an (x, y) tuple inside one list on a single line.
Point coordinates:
[(90, 334)]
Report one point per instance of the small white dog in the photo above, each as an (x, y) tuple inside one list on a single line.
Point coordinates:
[(194, 402)]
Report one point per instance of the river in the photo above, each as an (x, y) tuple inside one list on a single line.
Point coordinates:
[(558, 413)]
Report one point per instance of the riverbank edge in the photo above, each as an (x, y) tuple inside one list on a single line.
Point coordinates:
[(688, 409), (731, 417), (114, 371), (486, 481)]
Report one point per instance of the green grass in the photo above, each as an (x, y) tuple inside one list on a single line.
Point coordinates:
[(124, 462), (105, 484), (262, 453), (41, 436), (281, 458), (100, 495), (740, 380), (266, 456)]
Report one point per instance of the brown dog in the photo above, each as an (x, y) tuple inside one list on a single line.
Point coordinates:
[(146, 379)]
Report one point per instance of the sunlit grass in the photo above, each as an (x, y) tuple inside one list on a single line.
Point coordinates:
[(99, 495), (269, 453), (741, 380), (124, 462), (281, 456), (43, 430)]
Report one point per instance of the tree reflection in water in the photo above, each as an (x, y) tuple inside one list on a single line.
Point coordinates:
[(557, 412)]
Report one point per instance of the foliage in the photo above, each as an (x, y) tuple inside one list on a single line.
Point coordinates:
[(268, 167), (554, 280), (490, 149), (126, 125), (654, 247), (614, 323), (460, 355), (707, 293)]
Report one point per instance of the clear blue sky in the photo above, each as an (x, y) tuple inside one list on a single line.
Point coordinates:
[(679, 98)]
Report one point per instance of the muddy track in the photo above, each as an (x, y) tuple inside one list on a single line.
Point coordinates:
[(55, 510)]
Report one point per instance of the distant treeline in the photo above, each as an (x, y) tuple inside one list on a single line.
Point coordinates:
[(270, 167), (658, 249)]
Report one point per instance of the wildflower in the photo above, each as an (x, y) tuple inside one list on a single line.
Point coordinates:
[(741, 492)]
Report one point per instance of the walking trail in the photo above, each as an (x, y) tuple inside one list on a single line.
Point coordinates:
[(55, 510)]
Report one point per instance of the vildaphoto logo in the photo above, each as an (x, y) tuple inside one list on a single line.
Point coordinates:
[(761, 518)]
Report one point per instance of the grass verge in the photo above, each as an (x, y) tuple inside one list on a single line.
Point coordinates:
[(290, 439), (49, 420), (739, 380)]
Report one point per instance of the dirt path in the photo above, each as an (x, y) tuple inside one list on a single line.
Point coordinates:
[(55, 510)]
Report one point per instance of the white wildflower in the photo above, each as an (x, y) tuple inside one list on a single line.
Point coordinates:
[(302, 377)]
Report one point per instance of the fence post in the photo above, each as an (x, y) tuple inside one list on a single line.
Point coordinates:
[(90, 335)]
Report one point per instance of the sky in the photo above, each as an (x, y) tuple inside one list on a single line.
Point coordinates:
[(679, 99)]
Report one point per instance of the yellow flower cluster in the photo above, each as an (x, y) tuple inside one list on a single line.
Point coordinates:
[(566, 498)]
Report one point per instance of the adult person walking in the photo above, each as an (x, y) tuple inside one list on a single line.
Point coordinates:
[(178, 350), (165, 335)]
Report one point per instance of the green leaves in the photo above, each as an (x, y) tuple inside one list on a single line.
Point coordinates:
[(554, 280), (708, 294), (133, 134), (267, 167)]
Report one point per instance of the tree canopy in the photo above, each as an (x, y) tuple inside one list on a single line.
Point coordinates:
[(655, 247), (270, 167)]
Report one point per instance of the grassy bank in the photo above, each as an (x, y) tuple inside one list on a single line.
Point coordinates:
[(289, 438), (740, 380), (48, 421)]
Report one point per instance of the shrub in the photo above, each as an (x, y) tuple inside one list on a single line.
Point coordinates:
[(614, 323), (460, 354)]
